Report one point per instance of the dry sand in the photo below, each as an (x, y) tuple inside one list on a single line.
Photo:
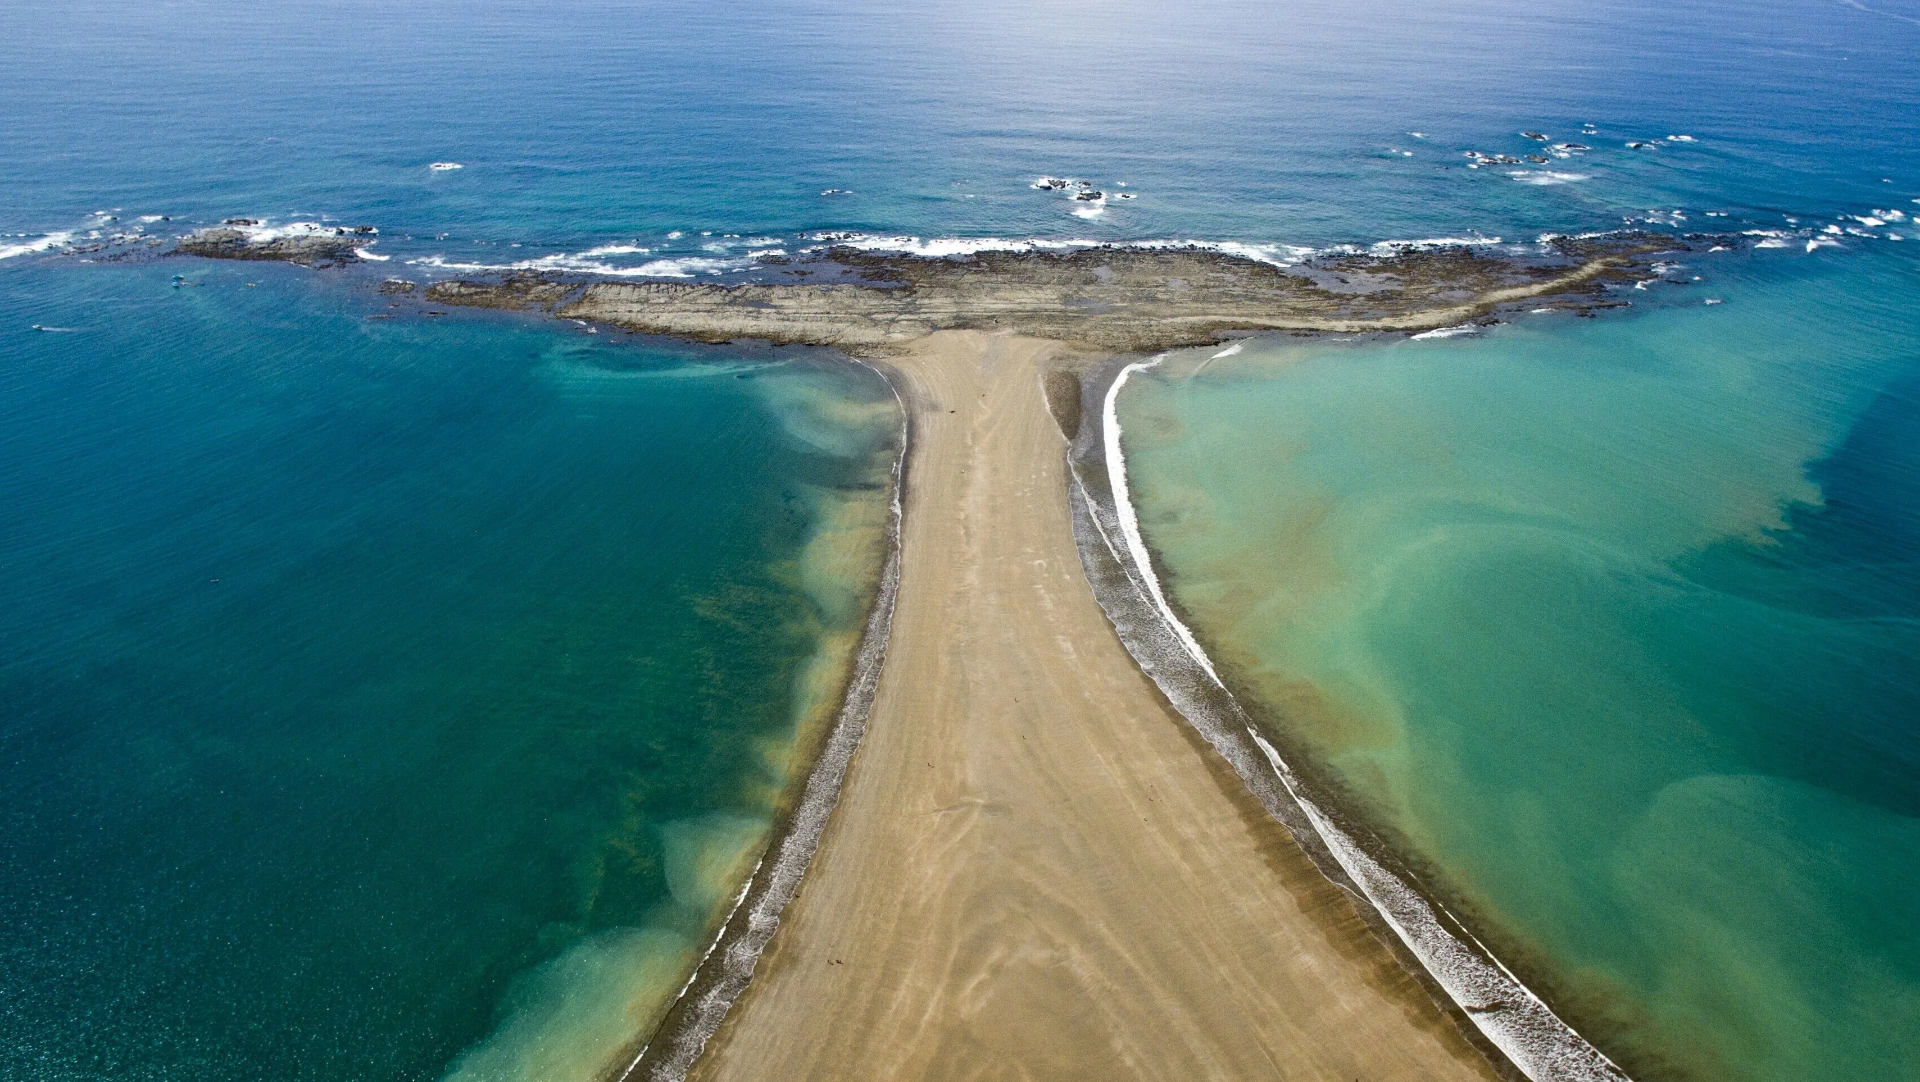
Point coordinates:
[(1035, 870)]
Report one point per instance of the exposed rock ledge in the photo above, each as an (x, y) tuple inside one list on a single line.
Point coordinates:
[(307, 244), (1109, 299)]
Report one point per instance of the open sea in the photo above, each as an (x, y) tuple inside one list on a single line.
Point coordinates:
[(407, 698)]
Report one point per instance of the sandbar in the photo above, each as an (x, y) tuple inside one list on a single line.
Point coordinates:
[(1035, 870)]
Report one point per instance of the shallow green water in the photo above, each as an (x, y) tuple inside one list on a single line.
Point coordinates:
[(377, 697), (1612, 626)]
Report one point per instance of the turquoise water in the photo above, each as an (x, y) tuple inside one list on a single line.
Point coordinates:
[(1612, 624), (374, 692), (515, 626)]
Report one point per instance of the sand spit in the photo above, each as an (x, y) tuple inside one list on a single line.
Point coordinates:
[(1123, 300), (1036, 870), (1036, 866)]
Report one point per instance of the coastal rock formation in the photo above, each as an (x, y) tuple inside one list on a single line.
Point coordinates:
[(307, 245), (1118, 299)]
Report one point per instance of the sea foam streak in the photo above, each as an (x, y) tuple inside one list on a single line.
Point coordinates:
[(1527, 176), (1130, 522), (566, 263), (1280, 255), (45, 243)]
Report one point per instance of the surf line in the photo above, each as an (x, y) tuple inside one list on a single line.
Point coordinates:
[(728, 965), (1130, 521), (1118, 564)]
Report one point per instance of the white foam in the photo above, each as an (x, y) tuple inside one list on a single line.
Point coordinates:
[(1771, 238), (948, 247), (1822, 242), (445, 167), (565, 263), (1130, 521), (1448, 332), (1527, 1030), (45, 243), (1280, 255), (1090, 210), (261, 231), (1229, 351), (1680, 139), (362, 253), (1528, 176), (615, 249), (1390, 247)]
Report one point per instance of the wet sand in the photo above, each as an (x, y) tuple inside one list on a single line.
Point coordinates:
[(1035, 869)]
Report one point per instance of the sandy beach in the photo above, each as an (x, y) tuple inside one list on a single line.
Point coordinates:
[(1036, 870)]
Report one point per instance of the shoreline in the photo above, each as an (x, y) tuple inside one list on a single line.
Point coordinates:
[(980, 806), (1458, 968), (726, 968)]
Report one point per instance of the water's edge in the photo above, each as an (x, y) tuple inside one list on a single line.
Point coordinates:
[(729, 962), (1520, 1034)]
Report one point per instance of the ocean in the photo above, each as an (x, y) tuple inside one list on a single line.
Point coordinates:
[(405, 698)]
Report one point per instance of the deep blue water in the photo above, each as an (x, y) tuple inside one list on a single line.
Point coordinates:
[(419, 774)]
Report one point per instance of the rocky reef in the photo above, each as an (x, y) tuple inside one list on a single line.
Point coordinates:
[(1112, 299), (308, 244)]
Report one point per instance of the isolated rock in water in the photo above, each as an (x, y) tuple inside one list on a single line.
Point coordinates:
[(238, 239)]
